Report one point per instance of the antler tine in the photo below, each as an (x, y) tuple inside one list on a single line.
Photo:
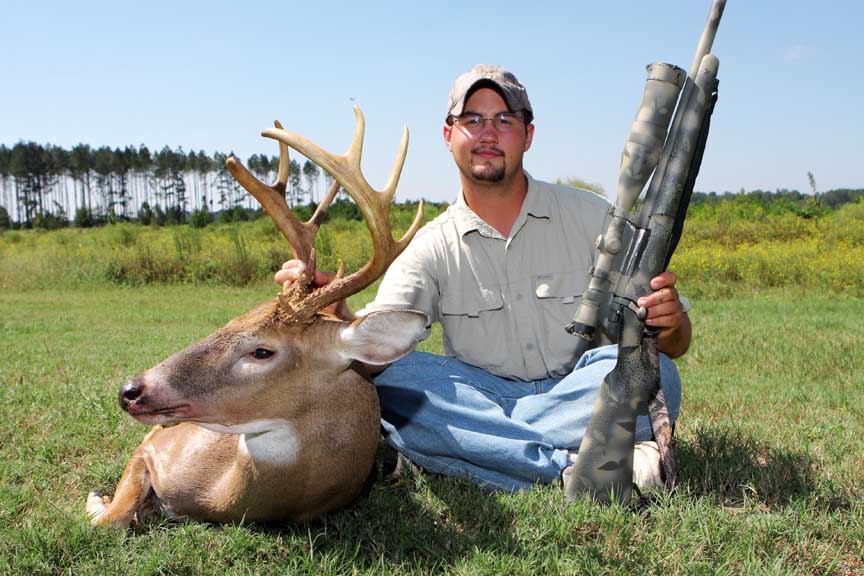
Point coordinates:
[(284, 164), (390, 190), (300, 236), (393, 181), (321, 211), (274, 204), (374, 205), (415, 225), (355, 150)]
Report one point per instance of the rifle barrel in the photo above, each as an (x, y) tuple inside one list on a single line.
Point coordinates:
[(708, 34)]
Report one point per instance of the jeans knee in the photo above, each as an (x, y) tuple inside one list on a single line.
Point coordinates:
[(670, 380)]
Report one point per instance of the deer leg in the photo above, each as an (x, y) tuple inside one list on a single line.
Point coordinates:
[(130, 494)]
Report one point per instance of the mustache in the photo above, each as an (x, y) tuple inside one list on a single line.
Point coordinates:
[(478, 149)]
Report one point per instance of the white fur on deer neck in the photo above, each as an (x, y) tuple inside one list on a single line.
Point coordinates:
[(265, 441)]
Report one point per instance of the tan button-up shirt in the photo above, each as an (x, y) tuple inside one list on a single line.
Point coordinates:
[(503, 302)]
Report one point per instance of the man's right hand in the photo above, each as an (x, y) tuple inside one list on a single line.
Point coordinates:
[(291, 271)]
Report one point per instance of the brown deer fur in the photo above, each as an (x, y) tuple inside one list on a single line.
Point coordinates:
[(302, 425), (272, 417)]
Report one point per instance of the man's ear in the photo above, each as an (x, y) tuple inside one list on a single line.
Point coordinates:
[(382, 337), (448, 131), (529, 136)]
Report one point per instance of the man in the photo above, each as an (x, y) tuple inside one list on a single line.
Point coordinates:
[(502, 270)]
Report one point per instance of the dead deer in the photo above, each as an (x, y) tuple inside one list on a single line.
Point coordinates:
[(272, 417)]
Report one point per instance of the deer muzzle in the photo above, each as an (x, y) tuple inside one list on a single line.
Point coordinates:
[(137, 402)]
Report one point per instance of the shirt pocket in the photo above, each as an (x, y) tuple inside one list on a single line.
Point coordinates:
[(473, 322), (566, 287), (558, 296)]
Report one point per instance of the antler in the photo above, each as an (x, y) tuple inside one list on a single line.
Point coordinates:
[(300, 235), (302, 300)]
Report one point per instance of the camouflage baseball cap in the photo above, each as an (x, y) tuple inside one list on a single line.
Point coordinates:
[(499, 79)]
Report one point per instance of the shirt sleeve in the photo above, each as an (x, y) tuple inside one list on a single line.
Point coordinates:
[(408, 283)]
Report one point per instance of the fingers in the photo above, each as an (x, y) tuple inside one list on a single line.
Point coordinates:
[(663, 305), (667, 315), (289, 273), (660, 299), (663, 280), (292, 269)]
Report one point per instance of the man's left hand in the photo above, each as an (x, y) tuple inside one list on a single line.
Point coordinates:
[(666, 313)]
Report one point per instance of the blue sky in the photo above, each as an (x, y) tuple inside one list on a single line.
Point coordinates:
[(211, 75)]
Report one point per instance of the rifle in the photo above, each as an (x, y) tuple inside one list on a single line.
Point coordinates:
[(636, 247)]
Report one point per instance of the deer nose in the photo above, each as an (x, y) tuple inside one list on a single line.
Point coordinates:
[(130, 392)]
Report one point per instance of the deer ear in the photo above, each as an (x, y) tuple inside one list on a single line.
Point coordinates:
[(382, 337)]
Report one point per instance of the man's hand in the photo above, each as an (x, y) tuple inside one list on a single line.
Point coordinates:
[(291, 271), (666, 313)]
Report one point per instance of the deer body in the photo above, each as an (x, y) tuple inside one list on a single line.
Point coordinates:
[(291, 469), (282, 437), (274, 416)]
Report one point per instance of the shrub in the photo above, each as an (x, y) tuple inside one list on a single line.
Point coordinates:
[(200, 218), (304, 211), (343, 210), (49, 221), (175, 215), (239, 214), (123, 235), (159, 216), (145, 214), (241, 268), (83, 218)]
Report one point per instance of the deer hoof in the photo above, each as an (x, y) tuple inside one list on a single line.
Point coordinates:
[(96, 504)]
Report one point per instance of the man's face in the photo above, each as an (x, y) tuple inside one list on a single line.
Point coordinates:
[(488, 156)]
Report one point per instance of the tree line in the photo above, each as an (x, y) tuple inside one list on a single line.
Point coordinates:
[(782, 200), (47, 186)]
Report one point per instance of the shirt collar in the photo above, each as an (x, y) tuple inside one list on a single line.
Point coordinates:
[(537, 204)]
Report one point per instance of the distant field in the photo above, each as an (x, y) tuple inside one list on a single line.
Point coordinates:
[(129, 254), (771, 454), (727, 248)]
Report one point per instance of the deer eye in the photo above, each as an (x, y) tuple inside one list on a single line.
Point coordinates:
[(262, 353)]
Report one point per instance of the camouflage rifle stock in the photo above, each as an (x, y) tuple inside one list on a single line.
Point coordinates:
[(634, 249)]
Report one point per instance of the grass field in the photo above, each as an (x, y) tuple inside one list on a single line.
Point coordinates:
[(725, 249), (771, 456)]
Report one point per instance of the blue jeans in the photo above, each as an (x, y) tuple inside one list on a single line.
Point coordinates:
[(455, 419)]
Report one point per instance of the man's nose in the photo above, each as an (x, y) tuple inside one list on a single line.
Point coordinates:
[(488, 131)]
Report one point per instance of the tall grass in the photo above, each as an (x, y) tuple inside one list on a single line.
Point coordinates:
[(725, 249), (232, 254)]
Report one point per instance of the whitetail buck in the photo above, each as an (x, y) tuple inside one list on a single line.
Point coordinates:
[(275, 416)]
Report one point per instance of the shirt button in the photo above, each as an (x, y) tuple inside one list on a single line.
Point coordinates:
[(519, 297), (529, 346)]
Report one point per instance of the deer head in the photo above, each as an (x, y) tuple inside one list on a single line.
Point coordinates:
[(287, 348)]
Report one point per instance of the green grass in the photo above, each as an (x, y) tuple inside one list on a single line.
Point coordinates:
[(128, 254), (725, 249), (770, 456)]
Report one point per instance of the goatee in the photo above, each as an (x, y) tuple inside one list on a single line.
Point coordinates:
[(488, 173)]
